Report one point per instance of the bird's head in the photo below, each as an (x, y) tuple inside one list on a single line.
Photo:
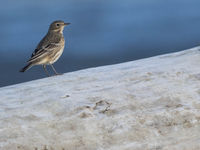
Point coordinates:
[(58, 26)]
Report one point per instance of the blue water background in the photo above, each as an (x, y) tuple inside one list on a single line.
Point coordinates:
[(102, 32)]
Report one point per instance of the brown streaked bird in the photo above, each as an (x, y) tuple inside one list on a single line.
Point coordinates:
[(49, 49)]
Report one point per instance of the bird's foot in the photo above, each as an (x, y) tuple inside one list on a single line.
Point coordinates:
[(57, 74)]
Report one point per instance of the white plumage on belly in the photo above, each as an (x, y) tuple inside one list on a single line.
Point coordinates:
[(57, 55)]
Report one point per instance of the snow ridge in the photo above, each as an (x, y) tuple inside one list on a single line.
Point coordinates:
[(151, 103)]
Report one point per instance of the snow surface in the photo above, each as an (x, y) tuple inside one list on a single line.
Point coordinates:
[(149, 104)]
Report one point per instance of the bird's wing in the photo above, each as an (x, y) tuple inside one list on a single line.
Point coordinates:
[(38, 53)]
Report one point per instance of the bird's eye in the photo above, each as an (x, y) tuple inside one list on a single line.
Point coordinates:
[(57, 25)]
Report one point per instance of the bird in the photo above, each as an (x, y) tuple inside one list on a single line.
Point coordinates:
[(49, 49)]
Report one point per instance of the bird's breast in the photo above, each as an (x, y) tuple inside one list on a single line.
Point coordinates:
[(56, 55)]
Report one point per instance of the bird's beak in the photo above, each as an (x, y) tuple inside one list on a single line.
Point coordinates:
[(66, 24)]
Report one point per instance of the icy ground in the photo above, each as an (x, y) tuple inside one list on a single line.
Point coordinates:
[(149, 104)]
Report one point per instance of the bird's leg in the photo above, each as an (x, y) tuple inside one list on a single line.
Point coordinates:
[(55, 70), (45, 70)]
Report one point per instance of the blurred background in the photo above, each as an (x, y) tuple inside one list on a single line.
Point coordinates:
[(102, 32)]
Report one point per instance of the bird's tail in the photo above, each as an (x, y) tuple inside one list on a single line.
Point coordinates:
[(26, 67)]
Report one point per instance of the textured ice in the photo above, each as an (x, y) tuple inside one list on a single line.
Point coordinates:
[(148, 104)]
